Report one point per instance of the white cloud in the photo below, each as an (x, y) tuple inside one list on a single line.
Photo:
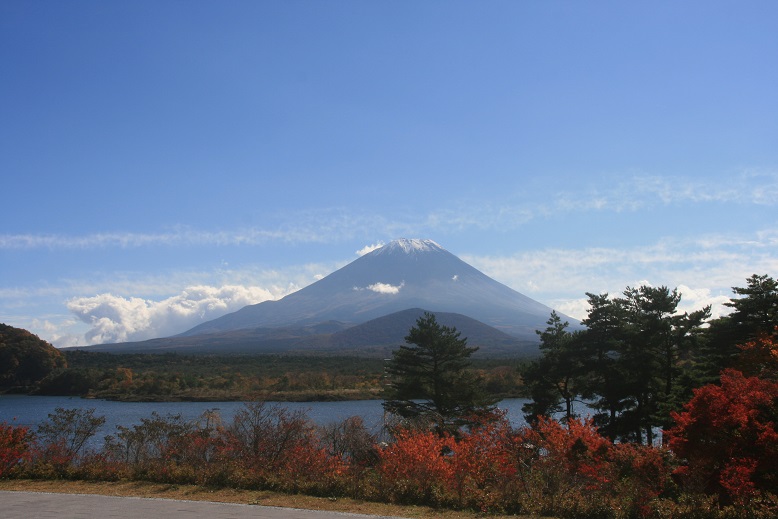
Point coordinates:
[(695, 299), (39, 308), (575, 308), (367, 249), (119, 319), (383, 288), (704, 270)]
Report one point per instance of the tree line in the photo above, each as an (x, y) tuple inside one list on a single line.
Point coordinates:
[(33, 366)]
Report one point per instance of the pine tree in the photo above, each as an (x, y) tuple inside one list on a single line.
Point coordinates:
[(632, 360), (755, 315), (553, 378), (430, 379)]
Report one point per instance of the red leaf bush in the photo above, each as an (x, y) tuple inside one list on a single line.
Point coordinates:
[(15, 446), (726, 436)]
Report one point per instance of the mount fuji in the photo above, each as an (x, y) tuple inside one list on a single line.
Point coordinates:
[(404, 274), (369, 305)]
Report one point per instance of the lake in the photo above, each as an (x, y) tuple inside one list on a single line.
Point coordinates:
[(31, 410)]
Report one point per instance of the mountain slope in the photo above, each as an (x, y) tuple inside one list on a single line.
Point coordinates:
[(377, 337), (401, 275), (391, 330)]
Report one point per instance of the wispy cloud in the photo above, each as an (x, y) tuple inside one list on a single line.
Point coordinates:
[(142, 306), (175, 237), (704, 269), (635, 192), (631, 193)]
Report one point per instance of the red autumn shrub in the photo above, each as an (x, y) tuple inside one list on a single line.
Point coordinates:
[(727, 437), (640, 473), (15, 443), (417, 467), (581, 473), (276, 448), (577, 452), (484, 465)]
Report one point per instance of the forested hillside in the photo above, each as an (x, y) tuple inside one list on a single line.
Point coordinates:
[(25, 359)]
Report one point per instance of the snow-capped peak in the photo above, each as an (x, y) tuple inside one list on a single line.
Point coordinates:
[(409, 246)]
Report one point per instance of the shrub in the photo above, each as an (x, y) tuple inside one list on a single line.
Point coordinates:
[(276, 448), (583, 474), (417, 468), (15, 446), (61, 443), (144, 449), (727, 438)]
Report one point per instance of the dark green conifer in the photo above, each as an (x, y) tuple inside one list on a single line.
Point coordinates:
[(430, 379)]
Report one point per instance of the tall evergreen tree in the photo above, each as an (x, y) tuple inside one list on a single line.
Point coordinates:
[(756, 310), (658, 338), (755, 314), (430, 378), (633, 351), (552, 378), (601, 344)]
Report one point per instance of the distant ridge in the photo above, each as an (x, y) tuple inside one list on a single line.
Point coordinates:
[(391, 330)]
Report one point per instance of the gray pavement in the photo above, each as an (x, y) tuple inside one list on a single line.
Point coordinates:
[(40, 505)]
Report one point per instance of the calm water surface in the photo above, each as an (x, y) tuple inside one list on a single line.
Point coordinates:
[(31, 410)]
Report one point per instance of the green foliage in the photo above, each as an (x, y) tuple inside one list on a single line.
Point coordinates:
[(156, 377), (431, 378), (170, 377), (756, 310), (630, 363), (24, 358), (755, 314), (552, 378)]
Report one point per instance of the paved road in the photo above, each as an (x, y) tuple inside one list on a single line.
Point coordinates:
[(39, 505)]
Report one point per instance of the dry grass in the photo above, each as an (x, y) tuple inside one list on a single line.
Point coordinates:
[(195, 493)]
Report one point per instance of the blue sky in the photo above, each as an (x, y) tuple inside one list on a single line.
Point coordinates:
[(165, 162)]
